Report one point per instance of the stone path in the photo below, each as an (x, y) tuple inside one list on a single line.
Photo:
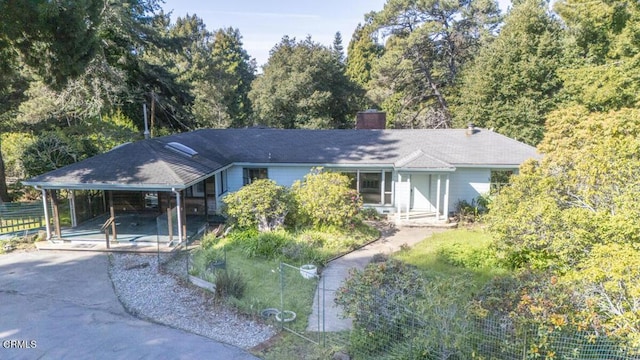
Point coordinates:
[(337, 271)]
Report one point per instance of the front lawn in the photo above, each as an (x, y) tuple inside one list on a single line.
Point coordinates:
[(459, 252), (256, 258), (441, 258)]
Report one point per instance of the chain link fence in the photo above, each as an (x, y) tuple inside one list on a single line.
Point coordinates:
[(297, 291), (395, 332)]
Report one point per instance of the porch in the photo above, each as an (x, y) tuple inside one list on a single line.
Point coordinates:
[(140, 232), (418, 218)]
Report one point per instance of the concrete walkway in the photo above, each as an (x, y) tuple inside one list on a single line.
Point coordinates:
[(337, 271)]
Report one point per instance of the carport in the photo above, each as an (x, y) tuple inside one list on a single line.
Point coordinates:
[(142, 182)]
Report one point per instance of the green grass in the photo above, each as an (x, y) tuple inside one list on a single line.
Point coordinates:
[(269, 285), (440, 256), (288, 346), (264, 288)]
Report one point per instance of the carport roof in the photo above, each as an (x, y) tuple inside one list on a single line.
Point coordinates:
[(151, 165)]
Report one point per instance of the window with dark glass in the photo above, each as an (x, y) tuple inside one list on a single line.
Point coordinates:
[(252, 174), (370, 187), (223, 182)]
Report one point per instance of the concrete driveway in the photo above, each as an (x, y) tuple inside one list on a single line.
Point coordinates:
[(61, 305)]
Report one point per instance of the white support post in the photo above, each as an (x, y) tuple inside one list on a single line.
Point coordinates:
[(446, 198), (410, 195), (179, 215), (46, 213), (382, 187), (439, 184), (72, 208), (398, 200), (217, 178)]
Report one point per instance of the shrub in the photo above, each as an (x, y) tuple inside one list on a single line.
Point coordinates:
[(369, 213), (238, 237), (268, 245), (262, 204), (230, 283), (302, 253), (371, 296), (325, 199)]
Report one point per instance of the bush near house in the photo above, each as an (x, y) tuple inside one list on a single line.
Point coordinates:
[(322, 199), (263, 204), (325, 199)]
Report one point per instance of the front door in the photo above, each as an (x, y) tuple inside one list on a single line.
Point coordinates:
[(421, 192)]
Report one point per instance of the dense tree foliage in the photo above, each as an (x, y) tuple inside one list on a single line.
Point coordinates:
[(580, 194), (513, 82), (364, 51), (429, 41), (303, 85)]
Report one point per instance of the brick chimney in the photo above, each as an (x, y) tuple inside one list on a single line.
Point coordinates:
[(371, 119)]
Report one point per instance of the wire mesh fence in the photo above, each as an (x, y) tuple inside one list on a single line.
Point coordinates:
[(298, 290), (396, 332), (20, 216)]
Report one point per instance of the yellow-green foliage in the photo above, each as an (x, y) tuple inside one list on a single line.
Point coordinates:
[(325, 199), (572, 220), (112, 130), (609, 283), (13, 145), (583, 192)]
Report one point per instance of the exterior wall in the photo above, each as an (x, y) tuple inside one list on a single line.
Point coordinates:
[(282, 175), (234, 178), (467, 184), (288, 175), (464, 184)]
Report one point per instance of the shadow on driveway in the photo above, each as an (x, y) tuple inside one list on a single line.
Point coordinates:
[(62, 305)]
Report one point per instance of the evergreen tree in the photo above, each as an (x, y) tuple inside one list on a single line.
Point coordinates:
[(513, 83), (363, 51), (303, 85), (428, 43), (337, 46)]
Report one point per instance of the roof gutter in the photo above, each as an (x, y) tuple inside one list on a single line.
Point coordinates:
[(105, 187)]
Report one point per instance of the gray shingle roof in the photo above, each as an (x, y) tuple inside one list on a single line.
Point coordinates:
[(147, 164)]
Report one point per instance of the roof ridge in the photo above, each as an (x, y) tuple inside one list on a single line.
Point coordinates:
[(409, 158)]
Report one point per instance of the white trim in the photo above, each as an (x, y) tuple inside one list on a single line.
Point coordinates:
[(46, 212), (489, 166)]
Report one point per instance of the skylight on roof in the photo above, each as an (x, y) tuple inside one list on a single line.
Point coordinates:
[(181, 149), (121, 145)]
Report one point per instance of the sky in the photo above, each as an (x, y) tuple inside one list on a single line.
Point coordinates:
[(263, 23)]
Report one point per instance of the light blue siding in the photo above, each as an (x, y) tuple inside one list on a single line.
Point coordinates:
[(282, 175), (288, 175), (467, 184)]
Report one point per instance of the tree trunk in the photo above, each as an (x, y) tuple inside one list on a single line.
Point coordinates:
[(4, 194)]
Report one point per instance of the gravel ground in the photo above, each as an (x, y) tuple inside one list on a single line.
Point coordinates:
[(165, 298)]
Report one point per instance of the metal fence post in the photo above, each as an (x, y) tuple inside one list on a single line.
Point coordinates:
[(282, 295)]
